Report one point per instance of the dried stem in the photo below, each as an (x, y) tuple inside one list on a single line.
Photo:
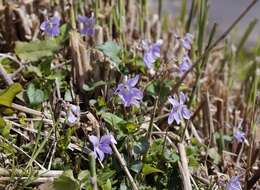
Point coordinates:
[(124, 166), (184, 169), (8, 80)]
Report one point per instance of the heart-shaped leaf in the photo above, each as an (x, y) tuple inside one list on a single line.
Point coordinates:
[(35, 96), (111, 49), (112, 119), (35, 50)]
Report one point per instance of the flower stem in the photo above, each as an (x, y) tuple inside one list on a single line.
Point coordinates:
[(150, 129), (93, 170)]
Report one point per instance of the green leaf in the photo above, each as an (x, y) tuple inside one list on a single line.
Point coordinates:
[(84, 175), (7, 96), (193, 162), (127, 127), (107, 186), (104, 174), (84, 179), (5, 128), (111, 49), (141, 147), (5, 131), (156, 86), (137, 166), (2, 122), (112, 119), (101, 101), (35, 96), (123, 186), (131, 127), (34, 70), (64, 33), (148, 169), (66, 182), (171, 156), (68, 96), (214, 155), (35, 50)]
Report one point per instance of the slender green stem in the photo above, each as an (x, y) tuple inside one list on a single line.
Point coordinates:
[(247, 33), (202, 24), (150, 129), (192, 10), (164, 140), (34, 156), (92, 165)]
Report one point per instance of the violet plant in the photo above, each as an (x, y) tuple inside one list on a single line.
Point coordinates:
[(129, 94), (179, 109), (185, 65), (102, 146), (88, 25), (152, 53), (186, 41), (51, 26), (239, 135), (234, 184), (72, 114)]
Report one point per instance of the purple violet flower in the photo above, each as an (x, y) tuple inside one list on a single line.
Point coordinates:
[(102, 146), (152, 53), (179, 110), (72, 114), (128, 93), (234, 183), (51, 26), (240, 136), (185, 65), (88, 25), (187, 41)]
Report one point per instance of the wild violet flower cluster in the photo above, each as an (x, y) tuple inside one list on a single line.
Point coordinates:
[(186, 43), (129, 94), (51, 27)]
